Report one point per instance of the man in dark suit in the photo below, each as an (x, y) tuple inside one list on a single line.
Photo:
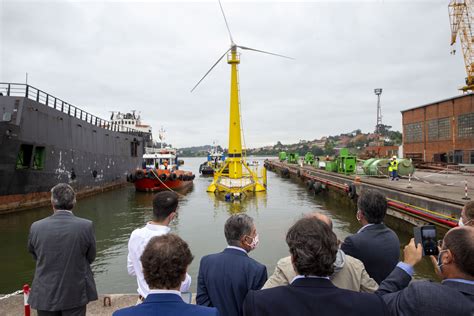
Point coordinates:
[(165, 261), (376, 245), (63, 246), (454, 296), (225, 278), (313, 249)]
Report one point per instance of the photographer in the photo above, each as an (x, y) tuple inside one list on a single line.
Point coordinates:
[(454, 265)]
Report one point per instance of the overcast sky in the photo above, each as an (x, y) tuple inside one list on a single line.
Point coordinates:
[(121, 55)]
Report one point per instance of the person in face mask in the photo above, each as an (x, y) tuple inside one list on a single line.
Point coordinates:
[(225, 278), (467, 215), (454, 265)]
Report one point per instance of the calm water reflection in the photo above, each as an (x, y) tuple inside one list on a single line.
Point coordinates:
[(200, 222)]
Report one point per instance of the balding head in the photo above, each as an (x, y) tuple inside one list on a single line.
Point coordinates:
[(460, 241), (323, 218)]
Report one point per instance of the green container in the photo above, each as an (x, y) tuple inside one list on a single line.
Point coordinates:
[(309, 158), (282, 156), (331, 166), (293, 158)]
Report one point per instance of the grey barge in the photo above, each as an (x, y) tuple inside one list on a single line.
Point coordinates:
[(45, 140)]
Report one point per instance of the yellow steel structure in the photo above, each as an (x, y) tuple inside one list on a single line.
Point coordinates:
[(236, 176), (460, 16)]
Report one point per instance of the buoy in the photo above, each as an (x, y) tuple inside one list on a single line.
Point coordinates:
[(139, 174), (317, 187), (173, 176)]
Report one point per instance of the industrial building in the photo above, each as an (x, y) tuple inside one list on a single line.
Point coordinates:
[(441, 131)]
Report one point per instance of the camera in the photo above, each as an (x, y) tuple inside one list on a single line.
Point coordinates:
[(426, 236)]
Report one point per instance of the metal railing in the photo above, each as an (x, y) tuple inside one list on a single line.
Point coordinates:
[(32, 93)]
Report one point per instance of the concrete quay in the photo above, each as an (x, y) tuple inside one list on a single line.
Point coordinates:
[(13, 306), (429, 198)]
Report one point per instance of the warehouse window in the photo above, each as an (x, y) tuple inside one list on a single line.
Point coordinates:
[(466, 125), (414, 132), (439, 129)]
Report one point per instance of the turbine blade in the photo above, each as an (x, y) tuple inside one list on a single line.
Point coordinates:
[(262, 51), (210, 69), (226, 24)]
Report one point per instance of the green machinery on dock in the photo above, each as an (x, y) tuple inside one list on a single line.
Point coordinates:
[(379, 167), (344, 163), (282, 156), (293, 158), (309, 158)]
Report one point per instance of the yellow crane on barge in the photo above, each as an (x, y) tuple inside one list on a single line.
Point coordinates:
[(236, 177)]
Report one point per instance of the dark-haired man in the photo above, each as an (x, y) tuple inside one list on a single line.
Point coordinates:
[(165, 261), (63, 246), (313, 249), (225, 278), (454, 296), (376, 245), (165, 205), (349, 272)]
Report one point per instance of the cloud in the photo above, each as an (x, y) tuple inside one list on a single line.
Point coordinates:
[(117, 56)]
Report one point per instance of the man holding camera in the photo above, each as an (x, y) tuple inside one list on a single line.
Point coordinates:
[(454, 265)]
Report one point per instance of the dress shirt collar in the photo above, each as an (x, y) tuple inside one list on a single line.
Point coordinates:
[(460, 281), (155, 291), (238, 248), (157, 227), (364, 227), (62, 211), (308, 277)]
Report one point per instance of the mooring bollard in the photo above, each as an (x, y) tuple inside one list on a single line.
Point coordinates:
[(465, 191), (409, 181), (26, 294)]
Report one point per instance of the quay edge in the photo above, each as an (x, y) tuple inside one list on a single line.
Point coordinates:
[(415, 206)]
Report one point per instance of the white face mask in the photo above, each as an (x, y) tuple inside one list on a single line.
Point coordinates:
[(461, 224), (254, 242)]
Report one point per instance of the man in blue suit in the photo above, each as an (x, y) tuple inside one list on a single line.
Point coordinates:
[(225, 278), (454, 296), (165, 261), (313, 249), (376, 245)]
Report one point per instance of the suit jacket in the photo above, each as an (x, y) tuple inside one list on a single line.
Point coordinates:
[(422, 298), (166, 305), (312, 296), (225, 278), (352, 276), (378, 247), (63, 246)]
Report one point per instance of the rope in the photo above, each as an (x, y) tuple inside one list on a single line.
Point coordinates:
[(156, 176), (11, 294)]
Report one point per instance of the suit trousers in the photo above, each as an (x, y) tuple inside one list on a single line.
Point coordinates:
[(78, 311)]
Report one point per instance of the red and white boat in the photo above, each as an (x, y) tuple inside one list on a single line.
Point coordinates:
[(160, 171)]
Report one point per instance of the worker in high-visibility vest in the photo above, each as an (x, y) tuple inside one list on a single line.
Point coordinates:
[(393, 168)]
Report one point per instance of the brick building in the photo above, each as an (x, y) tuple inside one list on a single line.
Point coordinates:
[(442, 131)]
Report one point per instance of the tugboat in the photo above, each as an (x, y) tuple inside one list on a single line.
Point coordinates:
[(215, 161), (160, 171)]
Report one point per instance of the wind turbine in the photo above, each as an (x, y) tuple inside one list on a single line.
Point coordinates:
[(236, 176)]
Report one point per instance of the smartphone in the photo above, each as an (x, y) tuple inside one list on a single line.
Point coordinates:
[(426, 236)]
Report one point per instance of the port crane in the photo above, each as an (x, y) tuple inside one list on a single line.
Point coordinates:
[(460, 17)]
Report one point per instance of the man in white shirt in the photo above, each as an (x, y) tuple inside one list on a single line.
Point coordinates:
[(164, 210)]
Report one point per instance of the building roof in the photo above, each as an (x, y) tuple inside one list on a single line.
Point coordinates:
[(444, 100)]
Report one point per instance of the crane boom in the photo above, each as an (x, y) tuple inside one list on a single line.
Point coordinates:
[(460, 17)]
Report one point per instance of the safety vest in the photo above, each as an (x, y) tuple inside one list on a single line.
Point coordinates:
[(393, 165)]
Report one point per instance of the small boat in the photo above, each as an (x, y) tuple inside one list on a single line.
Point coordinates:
[(215, 161), (160, 171)]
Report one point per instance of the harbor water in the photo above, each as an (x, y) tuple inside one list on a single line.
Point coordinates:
[(200, 221)]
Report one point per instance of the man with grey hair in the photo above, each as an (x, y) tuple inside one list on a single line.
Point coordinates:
[(63, 246), (225, 278)]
